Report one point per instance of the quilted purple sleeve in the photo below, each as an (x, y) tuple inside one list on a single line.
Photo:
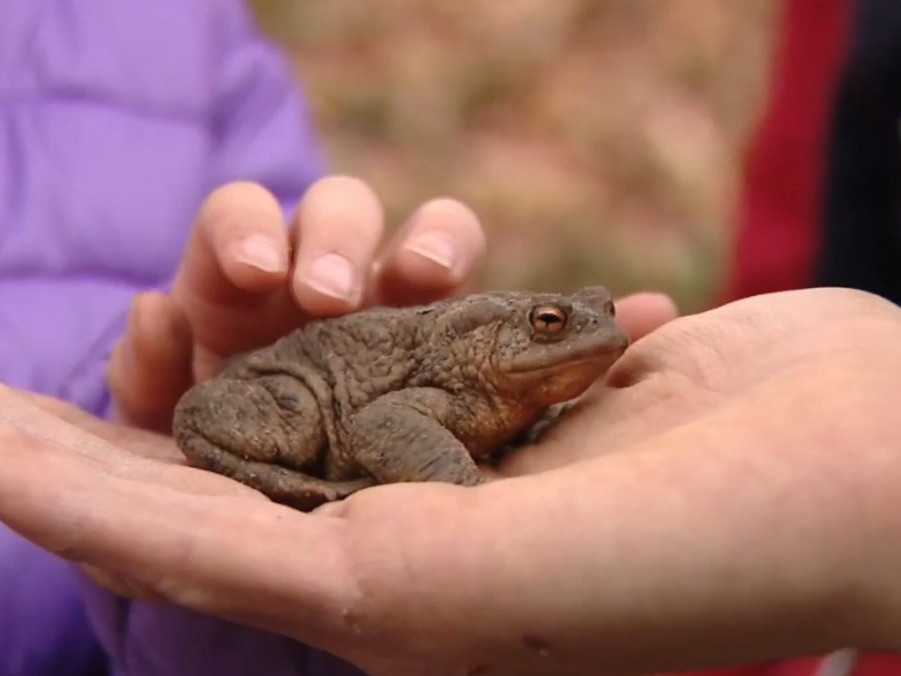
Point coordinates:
[(260, 121)]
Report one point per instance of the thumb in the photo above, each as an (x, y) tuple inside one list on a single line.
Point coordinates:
[(641, 313)]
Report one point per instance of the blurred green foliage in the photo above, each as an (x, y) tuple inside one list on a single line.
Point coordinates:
[(599, 140)]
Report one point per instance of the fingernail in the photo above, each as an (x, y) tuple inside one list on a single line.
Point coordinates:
[(436, 246), (333, 275), (261, 252)]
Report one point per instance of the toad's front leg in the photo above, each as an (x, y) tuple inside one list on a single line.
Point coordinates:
[(402, 436)]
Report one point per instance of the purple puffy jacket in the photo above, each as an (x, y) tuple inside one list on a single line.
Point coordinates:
[(116, 118)]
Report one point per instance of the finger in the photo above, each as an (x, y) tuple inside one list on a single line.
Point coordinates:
[(338, 227), (641, 313), (128, 452), (432, 255), (167, 540), (240, 241), (59, 408), (141, 442), (150, 368), (236, 261)]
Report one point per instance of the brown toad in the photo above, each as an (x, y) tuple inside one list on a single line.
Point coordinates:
[(388, 395)]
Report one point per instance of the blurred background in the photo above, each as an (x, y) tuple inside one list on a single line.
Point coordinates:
[(600, 142)]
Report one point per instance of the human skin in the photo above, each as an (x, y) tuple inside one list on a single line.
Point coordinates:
[(248, 277), (729, 494)]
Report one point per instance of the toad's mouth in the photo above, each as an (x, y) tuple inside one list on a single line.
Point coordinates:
[(552, 357)]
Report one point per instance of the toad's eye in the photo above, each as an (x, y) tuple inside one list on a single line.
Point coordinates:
[(610, 308), (547, 319)]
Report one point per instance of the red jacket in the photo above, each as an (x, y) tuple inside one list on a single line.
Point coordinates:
[(780, 206), (780, 212)]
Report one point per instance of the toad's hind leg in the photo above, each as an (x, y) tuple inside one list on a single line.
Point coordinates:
[(265, 433), (280, 484)]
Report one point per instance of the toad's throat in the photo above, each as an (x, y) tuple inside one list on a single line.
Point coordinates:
[(548, 357)]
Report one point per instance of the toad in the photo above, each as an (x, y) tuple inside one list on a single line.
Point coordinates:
[(396, 394)]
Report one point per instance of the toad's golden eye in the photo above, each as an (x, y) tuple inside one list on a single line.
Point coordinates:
[(547, 319), (610, 308)]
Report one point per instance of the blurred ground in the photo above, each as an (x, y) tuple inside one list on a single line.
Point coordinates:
[(599, 140)]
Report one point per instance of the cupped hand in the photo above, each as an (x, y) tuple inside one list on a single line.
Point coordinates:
[(247, 278), (729, 494)]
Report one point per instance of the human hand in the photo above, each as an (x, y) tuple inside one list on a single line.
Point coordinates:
[(639, 314), (760, 445), (724, 504), (247, 278)]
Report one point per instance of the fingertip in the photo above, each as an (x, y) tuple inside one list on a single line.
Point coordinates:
[(242, 224), (338, 226), (328, 286), (447, 237), (339, 203), (436, 252), (343, 187), (236, 196), (256, 261), (643, 312), (662, 304)]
